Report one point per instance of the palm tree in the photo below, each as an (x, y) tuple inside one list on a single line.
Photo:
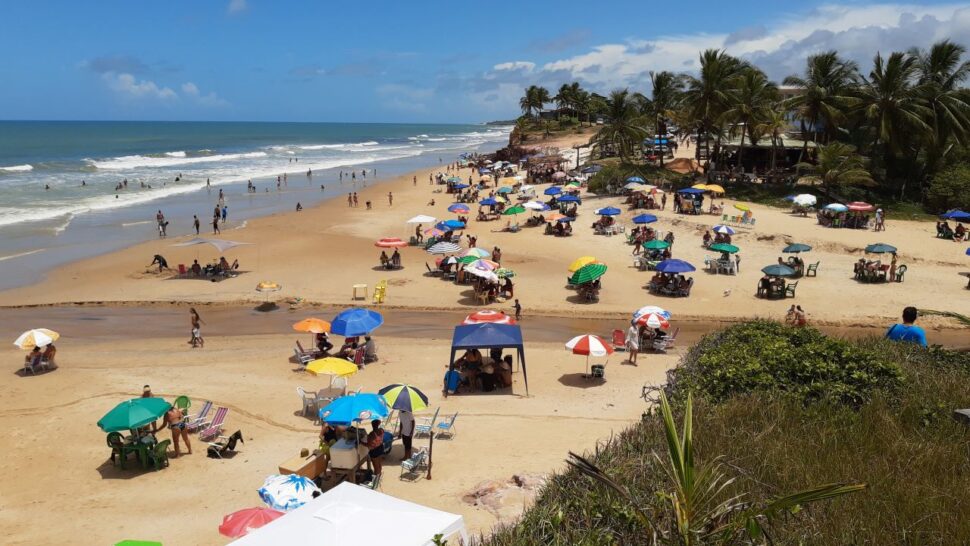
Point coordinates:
[(892, 109), (839, 165), (666, 93), (582, 103), (563, 99), (826, 93), (541, 98), (527, 102), (774, 122), (940, 76), (623, 129), (534, 99), (700, 508), (709, 94), (754, 92)]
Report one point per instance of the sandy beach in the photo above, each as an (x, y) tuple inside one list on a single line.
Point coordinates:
[(132, 328)]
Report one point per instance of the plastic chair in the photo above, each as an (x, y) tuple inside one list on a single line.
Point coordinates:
[(183, 404), (812, 269), (159, 454), (619, 340), (790, 289), (309, 401), (900, 271), (116, 442)]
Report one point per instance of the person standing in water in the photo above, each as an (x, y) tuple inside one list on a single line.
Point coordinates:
[(195, 223)]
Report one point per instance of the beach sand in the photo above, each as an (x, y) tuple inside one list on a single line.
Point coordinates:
[(58, 484)]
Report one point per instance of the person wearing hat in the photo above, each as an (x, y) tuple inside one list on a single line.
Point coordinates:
[(146, 392)]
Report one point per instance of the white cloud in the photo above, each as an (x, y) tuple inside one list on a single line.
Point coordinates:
[(191, 91), (525, 66), (127, 85), (237, 6)]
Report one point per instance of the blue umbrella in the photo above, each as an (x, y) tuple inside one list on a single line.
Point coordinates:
[(724, 230), (458, 207), (565, 220), (957, 215), (778, 270), (694, 191), (675, 266), (644, 219), (636, 179), (356, 322), (880, 248), (592, 169), (287, 492), (450, 224), (484, 171), (488, 202), (795, 248), (608, 211), (836, 207), (968, 251), (569, 199), (461, 186), (555, 190), (352, 408), (790, 197)]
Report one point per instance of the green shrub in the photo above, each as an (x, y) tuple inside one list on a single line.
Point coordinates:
[(950, 189), (769, 356)]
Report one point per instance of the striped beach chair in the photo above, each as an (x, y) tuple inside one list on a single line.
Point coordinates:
[(215, 427)]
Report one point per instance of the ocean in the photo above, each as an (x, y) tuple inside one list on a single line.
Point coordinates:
[(59, 195)]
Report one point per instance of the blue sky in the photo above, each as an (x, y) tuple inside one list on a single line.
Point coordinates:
[(428, 61)]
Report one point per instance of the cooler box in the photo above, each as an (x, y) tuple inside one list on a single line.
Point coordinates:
[(346, 454)]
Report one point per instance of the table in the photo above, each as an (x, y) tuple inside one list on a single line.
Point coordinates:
[(140, 446), (347, 456), (311, 466), (360, 287)]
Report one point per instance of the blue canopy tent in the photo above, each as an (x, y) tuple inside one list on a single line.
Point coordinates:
[(489, 336), (957, 215), (692, 191)]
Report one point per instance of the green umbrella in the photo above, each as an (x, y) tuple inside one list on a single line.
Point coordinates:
[(134, 413), (724, 247), (517, 209), (656, 244), (588, 273), (504, 273), (795, 248), (880, 248), (465, 260)]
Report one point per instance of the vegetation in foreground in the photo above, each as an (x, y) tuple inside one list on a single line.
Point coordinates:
[(884, 419)]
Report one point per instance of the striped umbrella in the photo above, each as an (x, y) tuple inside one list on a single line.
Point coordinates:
[(651, 309), (488, 315), (38, 337), (477, 252), (589, 344), (588, 273), (239, 524), (444, 247), (652, 320), (459, 208), (723, 230), (404, 397), (434, 232)]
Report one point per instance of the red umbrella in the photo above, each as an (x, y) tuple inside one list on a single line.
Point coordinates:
[(860, 206), (652, 320), (589, 345), (487, 315), (238, 524), (391, 242)]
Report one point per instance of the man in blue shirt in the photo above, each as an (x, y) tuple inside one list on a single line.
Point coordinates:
[(907, 331)]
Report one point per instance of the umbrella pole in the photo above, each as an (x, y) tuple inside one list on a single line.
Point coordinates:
[(587, 365)]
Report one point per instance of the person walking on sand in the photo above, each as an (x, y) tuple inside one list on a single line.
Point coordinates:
[(215, 225), (174, 419), (356, 203), (415, 180), (633, 343), (390, 199), (350, 199), (195, 223), (518, 310), (197, 322)]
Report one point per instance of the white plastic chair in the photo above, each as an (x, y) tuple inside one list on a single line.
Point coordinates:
[(309, 401)]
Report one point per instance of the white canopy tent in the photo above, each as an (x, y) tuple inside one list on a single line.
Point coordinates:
[(221, 244), (422, 219), (353, 515)]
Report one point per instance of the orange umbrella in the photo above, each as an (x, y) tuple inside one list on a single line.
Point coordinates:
[(554, 217), (312, 325)]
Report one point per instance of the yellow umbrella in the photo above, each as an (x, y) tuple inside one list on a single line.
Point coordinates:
[(741, 206), (701, 187), (714, 188), (37, 337), (579, 263), (332, 366), (500, 199)]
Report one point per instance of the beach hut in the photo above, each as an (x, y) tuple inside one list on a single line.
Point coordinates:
[(350, 514), (489, 336)]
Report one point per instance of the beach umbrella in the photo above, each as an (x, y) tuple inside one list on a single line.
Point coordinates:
[(332, 366), (742, 207), (525, 188), (37, 337), (724, 247), (778, 270), (404, 397), (454, 179), (656, 244), (444, 247), (608, 211), (880, 248), (312, 325), (355, 322), (569, 199), (504, 189), (957, 215), (588, 273), (805, 200), (390, 242), (464, 260), (536, 206), (476, 252), (565, 219), (714, 188), (489, 316), (699, 186), (652, 320), (422, 219), (517, 209), (220, 244), (434, 232), (675, 266), (239, 524), (589, 345), (631, 185), (644, 219), (354, 407), (268, 286), (482, 273), (451, 260), (795, 248), (461, 186), (651, 310), (723, 230), (592, 169), (636, 179), (578, 263), (500, 199), (691, 191), (559, 175), (860, 206), (134, 413), (555, 190), (836, 207), (555, 217), (485, 265), (488, 202), (287, 492), (459, 208), (505, 273), (450, 224), (573, 184), (968, 251)]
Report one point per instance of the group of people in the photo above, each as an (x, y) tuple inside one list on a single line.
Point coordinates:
[(852, 219), (644, 200), (874, 270), (559, 229), (349, 349), (944, 231), (716, 238), (390, 262), (771, 287), (475, 372), (671, 284), (639, 336)]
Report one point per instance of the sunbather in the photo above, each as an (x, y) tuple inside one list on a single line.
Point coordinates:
[(174, 419)]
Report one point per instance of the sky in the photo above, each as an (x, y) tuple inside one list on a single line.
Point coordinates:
[(423, 61)]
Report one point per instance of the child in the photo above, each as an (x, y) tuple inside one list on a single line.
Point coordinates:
[(518, 310)]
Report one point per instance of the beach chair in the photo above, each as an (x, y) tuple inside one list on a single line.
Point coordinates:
[(380, 291), (158, 455), (447, 427), (686, 291), (790, 289), (900, 271), (666, 342), (432, 272), (619, 340), (414, 465), (424, 426), (302, 358), (224, 445), (309, 401), (31, 364), (198, 421), (812, 269), (182, 271), (215, 427), (312, 354)]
